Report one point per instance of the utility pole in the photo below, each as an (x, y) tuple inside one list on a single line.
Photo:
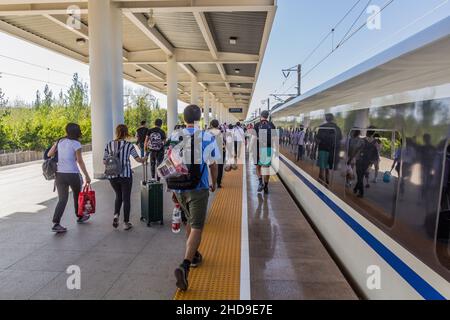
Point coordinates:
[(287, 72), (268, 104)]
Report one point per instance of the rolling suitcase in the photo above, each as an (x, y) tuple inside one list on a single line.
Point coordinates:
[(151, 199)]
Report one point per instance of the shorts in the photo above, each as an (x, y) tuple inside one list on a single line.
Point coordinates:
[(323, 161), (265, 157), (195, 206)]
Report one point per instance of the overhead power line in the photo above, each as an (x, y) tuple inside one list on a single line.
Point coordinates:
[(32, 79), (35, 65), (389, 2), (321, 42), (354, 23)]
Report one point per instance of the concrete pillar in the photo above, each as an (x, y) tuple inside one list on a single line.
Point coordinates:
[(117, 65), (172, 93), (206, 106), (100, 71), (194, 91)]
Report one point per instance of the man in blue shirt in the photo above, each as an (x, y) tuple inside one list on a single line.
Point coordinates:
[(195, 202)]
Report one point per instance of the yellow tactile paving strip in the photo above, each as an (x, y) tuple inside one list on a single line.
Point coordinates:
[(218, 278)]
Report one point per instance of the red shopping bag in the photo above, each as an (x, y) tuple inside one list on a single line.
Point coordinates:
[(86, 201)]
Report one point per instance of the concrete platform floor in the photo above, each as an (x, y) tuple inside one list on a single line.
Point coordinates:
[(287, 259), (114, 264)]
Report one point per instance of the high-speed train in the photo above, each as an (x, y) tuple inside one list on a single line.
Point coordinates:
[(392, 242)]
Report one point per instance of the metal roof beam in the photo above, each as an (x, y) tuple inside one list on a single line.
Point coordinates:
[(44, 43), (139, 20), (17, 8), (152, 71), (189, 56)]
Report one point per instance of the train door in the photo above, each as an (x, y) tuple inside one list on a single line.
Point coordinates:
[(372, 172), (443, 225)]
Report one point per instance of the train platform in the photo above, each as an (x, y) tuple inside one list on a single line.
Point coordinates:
[(257, 247)]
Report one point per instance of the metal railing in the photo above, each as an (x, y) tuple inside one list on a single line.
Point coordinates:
[(22, 156)]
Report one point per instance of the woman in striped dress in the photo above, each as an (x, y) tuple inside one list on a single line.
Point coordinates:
[(122, 184)]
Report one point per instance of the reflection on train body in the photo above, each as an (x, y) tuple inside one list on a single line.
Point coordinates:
[(391, 164)]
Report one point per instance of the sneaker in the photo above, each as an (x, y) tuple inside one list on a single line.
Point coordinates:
[(116, 221), (59, 228), (181, 274), (198, 258), (127, 226), (260, 188), (83, 219)]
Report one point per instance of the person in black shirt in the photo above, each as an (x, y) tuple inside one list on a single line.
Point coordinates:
[(264, 150), (141, 134), (154, 142), (328, 139)]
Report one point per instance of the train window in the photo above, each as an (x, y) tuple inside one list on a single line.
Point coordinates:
[(443, 231), (371, 172)]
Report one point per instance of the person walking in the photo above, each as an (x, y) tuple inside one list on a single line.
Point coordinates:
[(328, 139), (155, 140), (238, 138), (263, 131), (194, 200), (301, 143), (217, 133), (123, 182), (141, 135), (68, 150)]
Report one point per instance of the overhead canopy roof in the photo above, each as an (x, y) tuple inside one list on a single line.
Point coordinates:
[(420, 62), (197, 32)]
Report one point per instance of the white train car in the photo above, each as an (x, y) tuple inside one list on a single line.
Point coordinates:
[(393, 241)]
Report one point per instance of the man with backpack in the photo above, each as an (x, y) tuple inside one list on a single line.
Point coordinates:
[(141, 134), (328, 139), (154, 142), (368, 154), (263, 131), (200, 151)]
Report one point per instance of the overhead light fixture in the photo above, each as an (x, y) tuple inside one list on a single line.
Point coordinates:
[(233, 40), (239, 86), (138, 70), (151, 19), (81, 41), (237, 71)]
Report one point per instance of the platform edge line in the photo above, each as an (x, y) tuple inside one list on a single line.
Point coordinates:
[(245, 252)]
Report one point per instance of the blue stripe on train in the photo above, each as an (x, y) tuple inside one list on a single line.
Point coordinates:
[(417, 282)]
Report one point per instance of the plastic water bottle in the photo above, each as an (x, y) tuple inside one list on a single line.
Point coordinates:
[(176, 219)]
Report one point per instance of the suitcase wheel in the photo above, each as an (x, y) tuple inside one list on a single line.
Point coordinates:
[(149, 224)]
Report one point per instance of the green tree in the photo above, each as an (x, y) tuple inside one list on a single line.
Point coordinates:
[(3, 99), (37, 101), (48, 98)]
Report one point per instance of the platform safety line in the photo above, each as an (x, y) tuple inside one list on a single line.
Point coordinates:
[(245, 291), (218, 277)]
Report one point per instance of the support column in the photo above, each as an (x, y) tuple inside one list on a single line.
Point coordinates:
[(172, 94), (117, 65), (100, 71), (206, 106), (194, 91)]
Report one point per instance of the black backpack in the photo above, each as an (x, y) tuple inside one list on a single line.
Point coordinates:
[(369, 152), (191, 180), (266, 127), (113, 165), (50, 165)]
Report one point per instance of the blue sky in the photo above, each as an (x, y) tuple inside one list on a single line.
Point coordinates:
[(299, 26)]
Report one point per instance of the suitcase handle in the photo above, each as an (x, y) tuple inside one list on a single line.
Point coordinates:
[(144, 167)]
